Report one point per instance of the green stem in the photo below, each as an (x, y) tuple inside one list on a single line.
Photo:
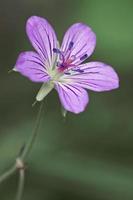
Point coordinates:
[(7, 174), (31, 141), (20, 184), (27, 148)]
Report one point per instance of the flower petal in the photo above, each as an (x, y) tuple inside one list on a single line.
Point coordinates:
[(42, 37), (30, 65), (78, 43), (95, 76), (73, 98)]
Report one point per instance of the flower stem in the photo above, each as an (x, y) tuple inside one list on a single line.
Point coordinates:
[(31, 141), (20, 184), (8, 173), (25, 151)]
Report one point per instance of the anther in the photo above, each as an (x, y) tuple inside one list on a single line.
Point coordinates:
[(70, 45), (78, 70), (67, 73), (56, 50), (84, 57)]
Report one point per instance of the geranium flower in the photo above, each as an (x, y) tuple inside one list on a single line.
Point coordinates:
[(60, 67)]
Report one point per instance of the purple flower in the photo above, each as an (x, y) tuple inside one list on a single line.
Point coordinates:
[(60, 67)]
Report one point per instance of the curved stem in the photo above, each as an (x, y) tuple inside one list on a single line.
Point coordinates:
[(31, 141), (20, 184), (26, 149), (7, 174)]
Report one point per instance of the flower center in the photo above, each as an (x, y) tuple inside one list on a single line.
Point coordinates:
[(65, 61)]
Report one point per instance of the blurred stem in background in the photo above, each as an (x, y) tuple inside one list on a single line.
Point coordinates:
[(8, 173), (20, 160)]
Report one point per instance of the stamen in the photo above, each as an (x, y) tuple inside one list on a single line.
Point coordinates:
[(78, 70), (58, 64), (84, 57), (67, 73), (56, 50), (70, 45)]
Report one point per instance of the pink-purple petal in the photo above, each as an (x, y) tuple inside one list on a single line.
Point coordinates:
[(30, 65), (73, 98), (42, 37), (78, 43), (96, 76)]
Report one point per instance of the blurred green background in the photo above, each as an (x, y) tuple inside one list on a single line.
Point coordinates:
[(87, 156)]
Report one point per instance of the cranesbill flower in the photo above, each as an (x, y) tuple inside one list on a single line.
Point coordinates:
[(61, 67)]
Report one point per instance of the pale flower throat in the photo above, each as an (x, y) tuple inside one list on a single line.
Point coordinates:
[(60, 66), (55, 75)]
